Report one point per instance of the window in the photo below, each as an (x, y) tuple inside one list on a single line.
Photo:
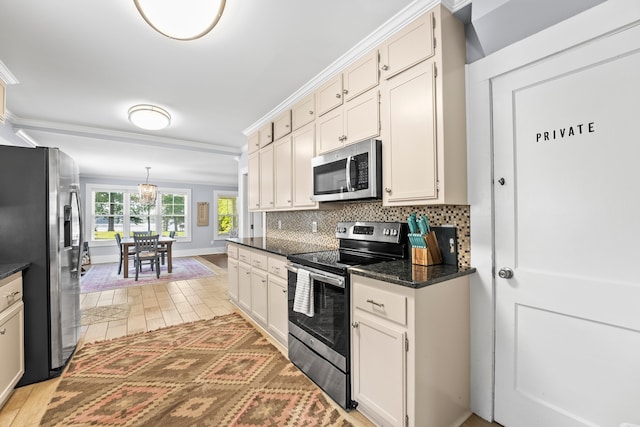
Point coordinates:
[(226, 215), (118, 210)]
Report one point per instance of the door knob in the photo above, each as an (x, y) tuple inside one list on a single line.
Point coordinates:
[(505, 273)]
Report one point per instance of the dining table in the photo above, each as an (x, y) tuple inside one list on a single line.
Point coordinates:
[(128, 242)]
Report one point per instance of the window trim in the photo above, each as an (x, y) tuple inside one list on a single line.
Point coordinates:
[(90, 209), (216, 195)]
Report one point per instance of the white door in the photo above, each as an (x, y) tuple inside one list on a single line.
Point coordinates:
[(567, 224)]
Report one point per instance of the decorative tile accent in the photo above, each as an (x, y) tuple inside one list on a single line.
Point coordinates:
[(296, 225)]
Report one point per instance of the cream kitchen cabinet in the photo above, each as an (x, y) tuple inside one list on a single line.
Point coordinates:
[(410, 352), (357, 120), (253, 184), (11, 334), (282, 125), (266, 178), (303, 112), (265, 134), (361, 76), (232, 271), (262, 288), (424, 153), (283, 185), (408, 47), (303, 150), (253, 142), (329, 96), (278, 302)]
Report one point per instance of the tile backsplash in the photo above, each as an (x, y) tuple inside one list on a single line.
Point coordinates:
[(296, 225)]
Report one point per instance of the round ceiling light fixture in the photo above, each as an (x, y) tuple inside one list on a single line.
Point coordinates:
[(149, 117), (181, 20)]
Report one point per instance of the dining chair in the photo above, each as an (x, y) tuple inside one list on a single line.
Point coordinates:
[(147, 250), (131, 252), (163, 249)]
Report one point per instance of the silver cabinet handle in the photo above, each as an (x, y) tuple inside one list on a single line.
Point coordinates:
[(284, 291), (3, 331), (338, 95), (311, 112), (345, 91), (355, 324), (385, 67), (387, 189), (377, 304)]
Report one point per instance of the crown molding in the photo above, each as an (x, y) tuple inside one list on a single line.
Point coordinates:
[(6, 76), (113, 135), (393, 25)]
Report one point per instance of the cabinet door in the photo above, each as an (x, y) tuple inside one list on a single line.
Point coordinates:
[(233, 274), (329, 96), (253, 194), (304, 146), (278, 313), (410, 139), (11, 349), (304, 112), (259, 296), (282, 125), (379, 371), (361, 76), (253, 142), (408, 47), (244, 287), (330, 131), (282, 173), (266, 134), (266, 178), (362, 117)]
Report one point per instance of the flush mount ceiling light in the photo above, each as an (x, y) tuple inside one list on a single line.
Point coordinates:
[(183, 19), (149, 117)]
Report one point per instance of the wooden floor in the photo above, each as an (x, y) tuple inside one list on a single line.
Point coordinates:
[(115, 313)]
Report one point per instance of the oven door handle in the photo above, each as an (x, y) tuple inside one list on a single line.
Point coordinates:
[(335, 281)]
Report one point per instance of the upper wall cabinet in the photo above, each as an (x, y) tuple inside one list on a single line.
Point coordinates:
[(3, 93), (253, 142), (361, 76), (329, 96), (410, 46), (253, 190), (304, 112), (424, 153), (266, 134), (282, 125)]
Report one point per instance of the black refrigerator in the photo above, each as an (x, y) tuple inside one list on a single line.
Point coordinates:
[(41, 223)]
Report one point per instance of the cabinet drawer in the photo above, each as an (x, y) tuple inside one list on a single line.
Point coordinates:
[(244, 255), (232, 251), (276, 266), (381, 303), (259, 260), (10, 290)]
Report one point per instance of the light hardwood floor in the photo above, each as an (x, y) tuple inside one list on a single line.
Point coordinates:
[(138, 309)]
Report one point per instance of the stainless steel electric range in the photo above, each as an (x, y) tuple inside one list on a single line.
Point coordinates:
[(319, 337)]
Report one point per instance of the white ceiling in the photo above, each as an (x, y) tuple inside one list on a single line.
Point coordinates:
[(81, 64)]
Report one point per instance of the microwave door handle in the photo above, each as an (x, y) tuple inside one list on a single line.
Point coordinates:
[(349, 185)]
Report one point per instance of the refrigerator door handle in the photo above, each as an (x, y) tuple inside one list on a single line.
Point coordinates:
[(77, 256)]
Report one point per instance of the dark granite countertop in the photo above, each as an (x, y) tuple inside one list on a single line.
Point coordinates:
[(413, 276), (7, 270), (278, 246)]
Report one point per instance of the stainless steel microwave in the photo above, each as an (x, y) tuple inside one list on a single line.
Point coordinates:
[(348, 173)]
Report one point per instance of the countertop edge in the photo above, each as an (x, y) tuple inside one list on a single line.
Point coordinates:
[(365, 271), (7, 270)]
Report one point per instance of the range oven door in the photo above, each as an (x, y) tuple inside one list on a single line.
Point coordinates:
[(327, 332)]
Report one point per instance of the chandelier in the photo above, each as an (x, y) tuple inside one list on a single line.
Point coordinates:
[(181, 20), (148, 192)]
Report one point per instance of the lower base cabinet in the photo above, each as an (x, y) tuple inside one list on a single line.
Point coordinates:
[(410, 352), (258, 286), (11, 335)]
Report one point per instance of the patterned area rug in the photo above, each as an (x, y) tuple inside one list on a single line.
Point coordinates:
[(102, 277), (218, 372)]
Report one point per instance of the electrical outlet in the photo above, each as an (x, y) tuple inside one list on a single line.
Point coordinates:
[(314, 227), (279, 225)]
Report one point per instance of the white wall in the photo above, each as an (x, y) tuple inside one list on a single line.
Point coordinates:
[(596, 22)]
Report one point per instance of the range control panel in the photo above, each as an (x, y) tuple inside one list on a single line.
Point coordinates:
[(370, 231)]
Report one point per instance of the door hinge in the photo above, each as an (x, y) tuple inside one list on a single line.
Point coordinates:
[(406, 344), (438, 186), (434, 42), (435, 71), (433, 19), (406, 420)]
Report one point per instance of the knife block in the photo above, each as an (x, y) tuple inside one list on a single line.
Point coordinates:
[(427, 256)]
